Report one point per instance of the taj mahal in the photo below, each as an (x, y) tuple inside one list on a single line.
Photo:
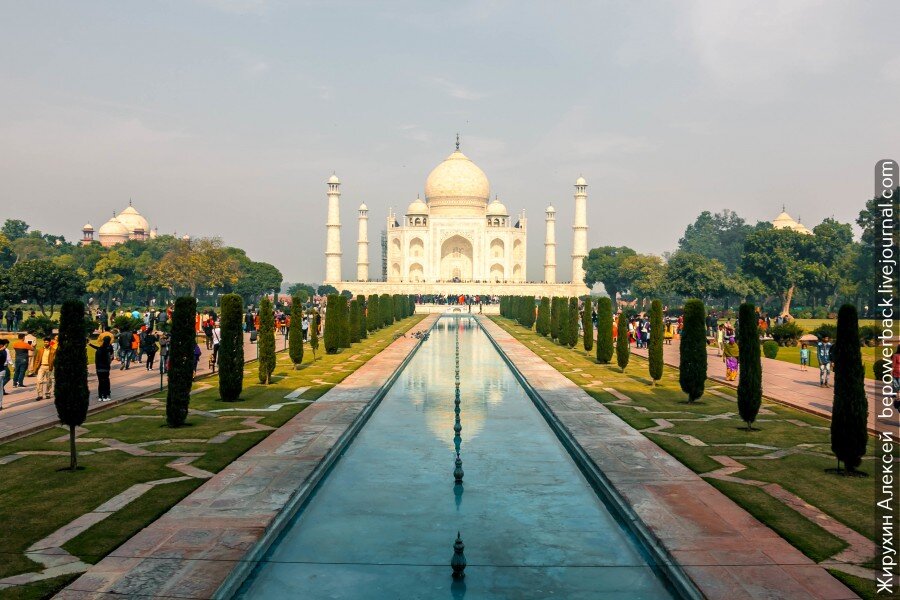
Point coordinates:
[(456, 240)]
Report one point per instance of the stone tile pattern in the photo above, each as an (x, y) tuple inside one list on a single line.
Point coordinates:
[(725, 551), (189, 551)]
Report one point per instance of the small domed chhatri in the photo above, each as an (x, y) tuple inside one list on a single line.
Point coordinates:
[(455, 240)]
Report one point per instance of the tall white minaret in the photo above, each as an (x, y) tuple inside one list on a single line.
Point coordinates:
[(362, 256), (550, 247), (579, 238), (333, 243)]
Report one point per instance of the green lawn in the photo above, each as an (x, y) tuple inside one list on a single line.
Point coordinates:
[(791, 354), (38, 497), (848, 500)]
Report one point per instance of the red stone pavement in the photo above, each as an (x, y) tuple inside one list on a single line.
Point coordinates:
[(22, 414), (785, 383)]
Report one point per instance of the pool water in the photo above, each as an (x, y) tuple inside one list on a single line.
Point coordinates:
[(382, 523)]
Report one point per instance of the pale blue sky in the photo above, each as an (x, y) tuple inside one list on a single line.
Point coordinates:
[(225, 117)]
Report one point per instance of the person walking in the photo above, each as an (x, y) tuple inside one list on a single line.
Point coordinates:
[(823, 355), (136, 347), (124, 339), (304, 326), (44, 358), (4, 368), (103, 363), (730, 354), (17, 322), (10, 319), (804, 357), (162, 320), (163, 353), (22, 349), (216, 338), (150, 346)]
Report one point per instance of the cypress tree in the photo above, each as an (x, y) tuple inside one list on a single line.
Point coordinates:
[(331, 337), (182, 340), (604, 330), (412, 306), (354, 321), (295, 333), (572, 333), (70, 390), (363, 318), (373, 313), (398, 307), (587, 324), (231, 348), (387, 310), (563, 322), (623, 349), (692, 359), (314, 333), (543, 318), (345, 339), (749, 392), (850, 411), (554, 318), (655, 345), (266, 341)]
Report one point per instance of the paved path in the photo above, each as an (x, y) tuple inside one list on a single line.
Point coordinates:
[(191, 550), (22, 414), (785, 383), (727, 553)]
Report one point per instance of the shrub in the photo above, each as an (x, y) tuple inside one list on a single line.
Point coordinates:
[(543, 317), (770, 348), (850, 408), (353, 321), (363, 318), (40, 325), (373, 313), (182, 340), (295, 334), (604, 330), (587, 325), (749, 392), (127, 323), (655, 345), (70, 392), (785, 334), (266, 341), (868, 334), (825, 330), (692, 359), (231, 348), (881, 367), (572, 333), (623, 350)]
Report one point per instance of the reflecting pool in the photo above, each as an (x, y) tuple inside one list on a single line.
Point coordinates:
[(383, 522)]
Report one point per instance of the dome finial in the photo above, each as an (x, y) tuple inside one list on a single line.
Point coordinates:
[(457, 140)]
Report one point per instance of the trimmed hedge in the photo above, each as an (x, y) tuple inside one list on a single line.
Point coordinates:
[(770, 348)]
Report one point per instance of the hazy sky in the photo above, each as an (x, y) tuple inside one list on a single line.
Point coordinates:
[(225, 117)]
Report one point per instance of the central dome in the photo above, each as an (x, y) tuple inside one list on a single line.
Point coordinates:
[(457, 186)]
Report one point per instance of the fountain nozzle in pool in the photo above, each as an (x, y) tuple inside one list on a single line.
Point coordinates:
[(458, 562), (458, 471)]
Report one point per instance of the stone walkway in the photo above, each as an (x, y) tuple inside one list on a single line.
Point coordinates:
[(21, 414), (785, 383), (191, 550), (727, 553)]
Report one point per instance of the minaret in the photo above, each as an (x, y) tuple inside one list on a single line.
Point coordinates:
[(579, 238), (362, 257), (550, 247), (333, 243)]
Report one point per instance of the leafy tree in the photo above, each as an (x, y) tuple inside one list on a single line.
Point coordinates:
[(181, 360), (326, 290), (780, 258), (604, 265), (354, 321), (543, 318), (623, 349), (295, 333), (573, 317), (109, 274), (303, 290), (231, 348), (192, 264), (256, 279), (604, 330), (363, 317), (14, 229), (692, 360), (695, 275), (644, 274), (265, 341), (718, 237), (554, 317), (655, 346), (373, 313), (749, 392), (71, 389), (45, 283), (331, 336), (587, 324), (851, 408)]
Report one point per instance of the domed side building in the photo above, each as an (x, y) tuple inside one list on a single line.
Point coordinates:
[(456, 240), (127, 225), (786, 221)]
